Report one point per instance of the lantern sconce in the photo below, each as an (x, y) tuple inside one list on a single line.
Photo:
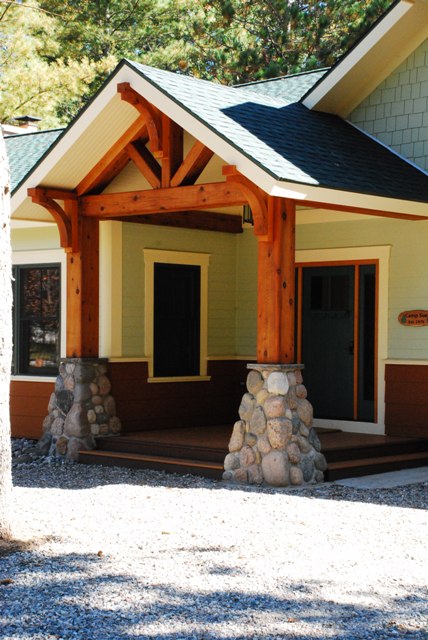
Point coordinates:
[(247, 215)]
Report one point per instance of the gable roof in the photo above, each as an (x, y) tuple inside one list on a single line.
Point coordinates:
[(393, 37), (281, 146)]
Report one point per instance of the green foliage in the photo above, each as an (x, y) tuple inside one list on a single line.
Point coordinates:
[(35, 77), (54, 54)]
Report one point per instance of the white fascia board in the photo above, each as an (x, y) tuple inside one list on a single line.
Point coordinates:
[(354, 56), (308, 193)]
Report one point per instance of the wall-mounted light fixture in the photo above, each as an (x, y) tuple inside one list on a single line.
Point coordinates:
[(247, 215)]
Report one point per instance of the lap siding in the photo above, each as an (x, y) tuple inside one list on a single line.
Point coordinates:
[(406, 400)]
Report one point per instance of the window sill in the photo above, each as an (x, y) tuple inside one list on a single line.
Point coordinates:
[(28, 378), (181, 379)]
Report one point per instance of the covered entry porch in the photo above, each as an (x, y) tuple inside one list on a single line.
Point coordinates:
[(160, 169)]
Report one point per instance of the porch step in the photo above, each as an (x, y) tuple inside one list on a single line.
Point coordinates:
[(369, 466), (345, 446), (160, 463), (163, 449)]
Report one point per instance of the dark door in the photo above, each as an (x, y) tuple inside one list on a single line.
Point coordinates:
[(327, 339), (176, 319), (338, 340)]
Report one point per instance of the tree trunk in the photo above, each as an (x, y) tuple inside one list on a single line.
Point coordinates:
[(5, 347)]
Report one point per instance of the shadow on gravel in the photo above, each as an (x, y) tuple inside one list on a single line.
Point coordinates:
[(75, 476), (80, 596)]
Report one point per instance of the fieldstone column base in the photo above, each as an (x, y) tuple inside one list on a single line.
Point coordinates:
[(80, 408), (274, 442)]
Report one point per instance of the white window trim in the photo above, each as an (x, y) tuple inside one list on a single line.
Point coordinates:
[(110, 289), (46, 256), (380, 253), (152, 256)]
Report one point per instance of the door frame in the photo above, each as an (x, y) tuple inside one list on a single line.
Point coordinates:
[(379, 255), (152, 256)]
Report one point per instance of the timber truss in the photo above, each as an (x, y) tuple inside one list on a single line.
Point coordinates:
[(155, 144)]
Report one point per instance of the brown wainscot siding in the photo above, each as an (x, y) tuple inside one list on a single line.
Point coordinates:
[(28, 407), (143, 406), (406, 400)]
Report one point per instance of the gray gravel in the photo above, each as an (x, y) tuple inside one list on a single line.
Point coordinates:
[(117, 553)]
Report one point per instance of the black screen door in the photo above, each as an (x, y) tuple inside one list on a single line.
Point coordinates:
[(328, 339), (176, 320)]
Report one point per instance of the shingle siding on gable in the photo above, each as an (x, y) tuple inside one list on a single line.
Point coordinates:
[(397, 112)]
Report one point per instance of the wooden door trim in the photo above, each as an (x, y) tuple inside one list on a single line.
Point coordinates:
[(356, 264)]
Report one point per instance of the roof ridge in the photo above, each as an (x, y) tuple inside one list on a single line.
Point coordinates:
[(284, 77), (32, 133)]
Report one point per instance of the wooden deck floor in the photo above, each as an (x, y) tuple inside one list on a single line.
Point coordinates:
[(217, 437), (202, 450)]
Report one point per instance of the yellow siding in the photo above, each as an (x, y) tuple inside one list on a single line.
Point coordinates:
[(246, 293), (408, 282), (221, 282), (35, 238)]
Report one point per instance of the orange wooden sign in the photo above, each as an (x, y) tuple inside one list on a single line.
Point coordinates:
[(416, 318)]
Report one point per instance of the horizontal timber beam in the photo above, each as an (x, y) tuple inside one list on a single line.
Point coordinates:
[(55, 194), (201, 220), (133, 203)]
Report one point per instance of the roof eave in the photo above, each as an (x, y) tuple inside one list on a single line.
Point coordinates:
[(303, 194), (231, 154), (401, 30)]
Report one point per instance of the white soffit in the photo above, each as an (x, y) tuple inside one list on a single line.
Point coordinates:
[(74, 155), (384, 48)]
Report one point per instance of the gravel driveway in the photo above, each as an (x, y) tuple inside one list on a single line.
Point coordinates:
[(116, 553)]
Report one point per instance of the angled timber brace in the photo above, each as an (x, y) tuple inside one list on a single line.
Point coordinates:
[(152, 117), (66, 218), (259, 202)]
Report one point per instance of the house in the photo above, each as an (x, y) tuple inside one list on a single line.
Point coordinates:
[(178, 230)]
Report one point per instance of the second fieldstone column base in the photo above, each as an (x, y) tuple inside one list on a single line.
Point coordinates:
[(80, 408), (274, 441)]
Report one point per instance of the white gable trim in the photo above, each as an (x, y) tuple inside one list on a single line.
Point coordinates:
[(358, 73)]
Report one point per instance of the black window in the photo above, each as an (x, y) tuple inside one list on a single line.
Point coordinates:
[(36, 319), (176, 319)]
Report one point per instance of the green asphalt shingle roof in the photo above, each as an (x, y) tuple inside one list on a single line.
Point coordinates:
[(266, 122), (287, 88), (24, 151), (290, 142)]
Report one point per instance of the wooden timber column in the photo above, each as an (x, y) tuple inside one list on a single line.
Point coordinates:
[(82, 286), (274, 441), (276, 285)]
